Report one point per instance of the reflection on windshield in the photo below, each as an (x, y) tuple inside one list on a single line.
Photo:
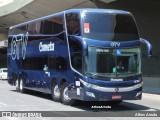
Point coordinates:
[(109, 27), (113, 62)]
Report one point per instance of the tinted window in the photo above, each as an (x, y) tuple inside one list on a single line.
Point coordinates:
[(52, 62), (110, 27), (38, 63), (35, 27), (34, 63), (61, 63), (73, 24), (76, 54), (52, 25), (19, 30)]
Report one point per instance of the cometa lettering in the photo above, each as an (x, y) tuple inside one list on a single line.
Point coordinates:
[(46, 47)]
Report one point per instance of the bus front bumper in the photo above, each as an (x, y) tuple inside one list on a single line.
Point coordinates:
[(90, 92)]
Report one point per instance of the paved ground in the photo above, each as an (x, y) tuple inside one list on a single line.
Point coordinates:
[(10, 100)]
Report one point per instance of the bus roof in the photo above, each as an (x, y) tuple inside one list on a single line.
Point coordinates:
[(109, 11)]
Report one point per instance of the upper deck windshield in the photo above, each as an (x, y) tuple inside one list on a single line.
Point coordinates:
[(109, 27)]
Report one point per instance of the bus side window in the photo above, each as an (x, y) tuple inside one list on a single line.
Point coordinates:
[(52, 62), (76, 54), (53, 25), (73, 24), (41, 27), (38, 27), (61, 63), (57, 22), (34, 28), (29, 63), (20, 30), (47, 27), (31, 28)]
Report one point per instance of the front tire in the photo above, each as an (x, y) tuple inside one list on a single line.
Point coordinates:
[(21, 86), (65, 99), (17, 85), (55, 92)]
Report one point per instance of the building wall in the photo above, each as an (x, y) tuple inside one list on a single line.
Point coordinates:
[(147, 15), (3, 36)]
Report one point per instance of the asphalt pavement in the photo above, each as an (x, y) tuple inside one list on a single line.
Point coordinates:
[(13, 101)]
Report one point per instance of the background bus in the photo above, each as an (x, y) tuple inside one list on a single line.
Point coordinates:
[(85, 54)]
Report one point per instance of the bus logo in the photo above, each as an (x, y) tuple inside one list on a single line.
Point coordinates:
[(46, 47), (117, 89), (18, 46), (115, 44)]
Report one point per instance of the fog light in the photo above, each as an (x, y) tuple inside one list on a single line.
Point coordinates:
[(90, 94), (139, 93)]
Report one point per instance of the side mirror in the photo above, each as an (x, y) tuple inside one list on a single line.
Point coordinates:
[(149, 47)]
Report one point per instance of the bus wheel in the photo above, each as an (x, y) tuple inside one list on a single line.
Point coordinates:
[(17, 85), (21, 86), (65, 99), (55, 92)]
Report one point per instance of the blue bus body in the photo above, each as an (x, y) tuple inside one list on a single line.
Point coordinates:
[(75, 54)]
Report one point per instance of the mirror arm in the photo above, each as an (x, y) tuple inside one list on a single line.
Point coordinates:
[(148, 45)]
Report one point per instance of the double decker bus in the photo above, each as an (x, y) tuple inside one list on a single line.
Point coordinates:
[(78, 54)]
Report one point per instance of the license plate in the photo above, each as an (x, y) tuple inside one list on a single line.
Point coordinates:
[(116, 97)]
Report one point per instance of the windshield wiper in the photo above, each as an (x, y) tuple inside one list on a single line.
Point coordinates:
[(121, 73), (93, 75), (126, 73), (97, 75)]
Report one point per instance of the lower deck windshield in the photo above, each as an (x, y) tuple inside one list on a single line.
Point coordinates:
[(113, 63)]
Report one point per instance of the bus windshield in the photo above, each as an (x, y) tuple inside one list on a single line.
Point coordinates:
[(109, 27), (113, 63)]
